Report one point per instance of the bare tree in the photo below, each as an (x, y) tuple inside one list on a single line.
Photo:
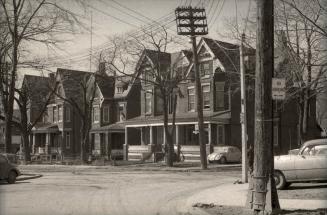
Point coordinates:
[(300, 23), (27, 21), (163, 76)]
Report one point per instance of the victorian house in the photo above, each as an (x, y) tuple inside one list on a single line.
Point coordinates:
[(59, 132), (219, 71), (117, 99)]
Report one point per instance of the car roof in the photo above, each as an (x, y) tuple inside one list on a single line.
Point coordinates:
[(315, 142)]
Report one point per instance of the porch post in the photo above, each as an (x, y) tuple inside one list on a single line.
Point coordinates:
[(32, 140), (126, 144), (151, 146), (151, 135), (47, 143), (107, 147), (177, 142), (209, 144), (142, 135)]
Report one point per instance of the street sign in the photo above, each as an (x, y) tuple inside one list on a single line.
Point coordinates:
[(278, 90)]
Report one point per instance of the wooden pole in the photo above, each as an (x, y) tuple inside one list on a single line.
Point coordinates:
[(243, 115), (265, 197)]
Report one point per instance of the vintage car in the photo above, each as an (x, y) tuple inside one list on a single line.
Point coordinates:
[(8, 169), (224, 154), (309, 164)]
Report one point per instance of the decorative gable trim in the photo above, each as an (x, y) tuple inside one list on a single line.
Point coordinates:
[(216, 62)]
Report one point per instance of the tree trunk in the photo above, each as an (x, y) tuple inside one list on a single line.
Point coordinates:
[(169, 147), (26, 147)]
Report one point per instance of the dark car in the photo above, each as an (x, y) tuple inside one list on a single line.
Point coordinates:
[(8, 169)]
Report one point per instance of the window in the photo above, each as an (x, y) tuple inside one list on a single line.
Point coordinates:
[(105, 113), (220, 135), (148, 76), (55, 114), (96, 114), (120, 90), (206, 96), (67, 140), (122, 112), (59, 113), (67, 114), (148, 101), (220, 95), (204, 68), (191, 99)]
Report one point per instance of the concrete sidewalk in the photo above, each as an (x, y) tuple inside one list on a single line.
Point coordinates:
[(230, 194)]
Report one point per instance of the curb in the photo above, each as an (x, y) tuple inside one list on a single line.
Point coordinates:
[(28, 176)]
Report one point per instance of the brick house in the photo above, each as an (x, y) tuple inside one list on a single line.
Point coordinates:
[(59, 131), (117, 99), (219, 66)]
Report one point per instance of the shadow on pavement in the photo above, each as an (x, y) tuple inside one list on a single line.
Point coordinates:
[(4, 182), (307, 186)]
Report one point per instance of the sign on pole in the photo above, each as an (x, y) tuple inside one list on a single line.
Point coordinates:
[(278, 89)]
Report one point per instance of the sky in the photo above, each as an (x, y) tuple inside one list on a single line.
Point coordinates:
[(114, 17)]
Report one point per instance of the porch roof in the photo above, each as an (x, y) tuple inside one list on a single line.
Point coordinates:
[(118, 127), (46, 128), (222, 117)]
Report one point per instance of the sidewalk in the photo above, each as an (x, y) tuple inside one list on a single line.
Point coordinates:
[(235, 195), (129, 166)]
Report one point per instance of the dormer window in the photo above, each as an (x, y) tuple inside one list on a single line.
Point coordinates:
[(204, 68), (120, 89)]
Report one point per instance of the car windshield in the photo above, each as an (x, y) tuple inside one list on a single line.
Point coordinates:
[(221, 149)]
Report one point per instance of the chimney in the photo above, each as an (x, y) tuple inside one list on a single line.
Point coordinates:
[(102, 67)]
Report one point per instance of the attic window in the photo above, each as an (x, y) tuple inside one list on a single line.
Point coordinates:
[(120, 89)]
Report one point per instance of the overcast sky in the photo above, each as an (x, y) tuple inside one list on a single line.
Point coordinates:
[(111, 17)]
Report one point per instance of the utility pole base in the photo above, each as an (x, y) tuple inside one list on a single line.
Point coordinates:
[(270, 203)]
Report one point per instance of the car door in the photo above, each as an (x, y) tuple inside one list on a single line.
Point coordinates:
[(308, 166), (320, 153)]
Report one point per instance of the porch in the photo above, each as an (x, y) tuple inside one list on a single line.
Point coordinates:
[(46, 143), (150, 143)]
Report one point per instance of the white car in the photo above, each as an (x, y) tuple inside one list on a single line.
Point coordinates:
[(224, 154), (309, 164)]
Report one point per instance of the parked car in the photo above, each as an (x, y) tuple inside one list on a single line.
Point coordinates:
[(8, 169), (309, 164), (224, 154)]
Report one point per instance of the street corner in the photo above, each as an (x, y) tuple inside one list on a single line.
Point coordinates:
[(28, 176)]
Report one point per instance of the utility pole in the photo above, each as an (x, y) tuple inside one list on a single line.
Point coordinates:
[(243, 115), (264, 194), (192, 21)]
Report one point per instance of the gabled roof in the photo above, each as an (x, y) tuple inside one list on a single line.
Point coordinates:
[(154, 56), (38, 88), (126, 82), (227, 53), (71, 81), (106, 85)]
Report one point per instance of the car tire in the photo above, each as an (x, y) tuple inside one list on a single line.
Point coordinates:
[(222, 160), (280, 180), (11, 177)]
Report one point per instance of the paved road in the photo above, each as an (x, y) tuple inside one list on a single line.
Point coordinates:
[(103, 192)]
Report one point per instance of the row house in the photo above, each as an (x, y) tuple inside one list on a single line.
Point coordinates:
[(219, 66), (116, 101), (58, 133)]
